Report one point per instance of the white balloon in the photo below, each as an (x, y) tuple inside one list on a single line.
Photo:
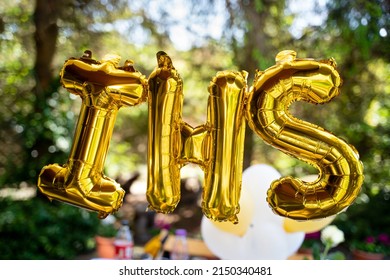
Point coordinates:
[(265, 241), (257, 179), (294, 242), (265, 238), (222, 244)]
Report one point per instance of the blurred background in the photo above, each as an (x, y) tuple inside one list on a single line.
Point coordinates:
[(38, 116)]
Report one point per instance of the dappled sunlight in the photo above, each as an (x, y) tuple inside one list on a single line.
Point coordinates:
[(39, 116)]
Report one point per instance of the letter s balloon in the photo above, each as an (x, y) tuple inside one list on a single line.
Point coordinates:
[(341, 172)]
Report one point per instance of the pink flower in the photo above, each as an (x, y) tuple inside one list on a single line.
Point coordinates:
[(370, 239), (313, 235), (384, 238)]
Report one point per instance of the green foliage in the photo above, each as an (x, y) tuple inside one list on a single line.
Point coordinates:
[(106, 230), (336, 256), (368, 216), (373, 244), (42, 132), (317, 247), (37, 129), (108, 227), (36, 229)]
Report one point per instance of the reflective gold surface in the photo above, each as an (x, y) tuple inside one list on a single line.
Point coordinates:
[(341, 172), (224, 160), (165, 103), (216, 146), (103, 88)]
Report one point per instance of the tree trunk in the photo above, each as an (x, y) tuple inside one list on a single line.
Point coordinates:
[(256, 50), (46, 32)]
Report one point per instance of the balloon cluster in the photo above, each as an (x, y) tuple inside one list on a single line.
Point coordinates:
[(250, 238), (216, 146)]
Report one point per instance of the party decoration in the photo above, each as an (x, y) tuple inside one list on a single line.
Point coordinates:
[(245, 216), (341, 171), (216, 146), (256, 179), (265, 238), (307, 226), (104, 87)]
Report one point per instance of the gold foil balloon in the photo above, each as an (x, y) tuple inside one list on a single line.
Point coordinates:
[(216, 146), (165, 103), (225, 153), (307, 226), (341, 171), (104, 87)]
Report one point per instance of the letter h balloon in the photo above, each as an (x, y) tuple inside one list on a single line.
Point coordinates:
[(217, 146)]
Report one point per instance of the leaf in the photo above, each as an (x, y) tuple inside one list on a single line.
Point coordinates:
[(316, 251), (336, 256)]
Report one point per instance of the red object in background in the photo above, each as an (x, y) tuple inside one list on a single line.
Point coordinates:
[(124, 243)]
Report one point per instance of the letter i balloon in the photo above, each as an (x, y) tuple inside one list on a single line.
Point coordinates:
[(103, 88)]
